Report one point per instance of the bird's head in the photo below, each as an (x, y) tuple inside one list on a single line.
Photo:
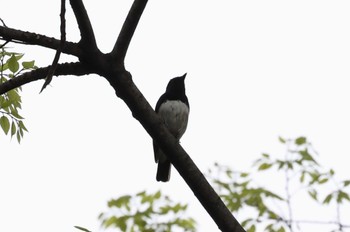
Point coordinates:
[(176, 85)]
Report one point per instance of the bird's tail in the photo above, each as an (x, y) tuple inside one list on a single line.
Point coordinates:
[(163, 171)]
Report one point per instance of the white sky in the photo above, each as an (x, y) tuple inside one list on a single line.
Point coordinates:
[(256, 70)]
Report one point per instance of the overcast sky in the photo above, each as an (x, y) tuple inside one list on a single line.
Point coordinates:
[(256, 70)]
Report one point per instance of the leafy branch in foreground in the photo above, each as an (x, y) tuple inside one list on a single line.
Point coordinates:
[(300, 172), (10, 102), (152, 212)]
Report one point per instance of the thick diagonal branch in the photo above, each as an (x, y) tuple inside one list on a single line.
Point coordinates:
[(143, 112), (122, 44), (30, 38), (76, 69)]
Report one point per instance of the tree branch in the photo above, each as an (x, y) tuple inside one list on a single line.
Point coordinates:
[(62, 69), (18, 36), (144, 113), (88, 40), (59, 50), (122, 44), (121, 81)]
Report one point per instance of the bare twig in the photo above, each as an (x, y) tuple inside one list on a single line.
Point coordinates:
[(38, 74), (60, 48), (288, 195), (127, 31), (3, 23), (318, 222), (3, 45)]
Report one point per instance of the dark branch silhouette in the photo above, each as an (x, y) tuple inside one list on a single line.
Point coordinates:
[(122, 44), (86, 32), (111, 66), (18, 36), (59, 50), (76, 69)]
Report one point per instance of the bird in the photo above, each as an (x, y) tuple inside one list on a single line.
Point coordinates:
[(173, 108)]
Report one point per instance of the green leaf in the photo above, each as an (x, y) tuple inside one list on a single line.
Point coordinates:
[(4, 67), (13, 64), (322, 181), (280, 163), (21, 131), (82, 228), (21, 125), (342, 196), (177, 208), (346, 183), (300, 140), (123, 200), (18, 135), (121, 222), (307, 156), (273, 215), (252, 229), (269, 227), (313, 194), (28, 64), (19, 56), (15, 114), (266, 155), (157, 195), (5, 103), (5, 124), (141, 194), (302, 177), (328, 199), (244, 174), (245, 222), (282, 140), (264, 166), (13, 128), (114, 221)]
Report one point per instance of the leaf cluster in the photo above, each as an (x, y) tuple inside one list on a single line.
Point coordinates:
[(10, 103), (300, 168), (150, 212)]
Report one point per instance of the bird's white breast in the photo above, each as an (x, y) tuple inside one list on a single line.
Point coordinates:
[(175, 116)]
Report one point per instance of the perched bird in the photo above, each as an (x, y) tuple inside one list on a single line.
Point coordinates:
[(173, 108)]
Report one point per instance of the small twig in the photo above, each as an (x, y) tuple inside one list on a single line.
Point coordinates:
[(7, 41), (38, 74), (318, 222), (3, 23), (288, 194), (3, 45), (60, 48)]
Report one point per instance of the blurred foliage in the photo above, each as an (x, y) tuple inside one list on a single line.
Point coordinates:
[(11, 121), (266, 209), (146, 212), (300, 172)]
